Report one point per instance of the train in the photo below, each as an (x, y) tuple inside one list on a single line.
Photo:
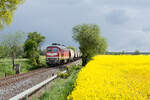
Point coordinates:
[(60, 54)]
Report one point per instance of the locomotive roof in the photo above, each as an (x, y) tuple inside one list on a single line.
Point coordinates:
[(59, 46)]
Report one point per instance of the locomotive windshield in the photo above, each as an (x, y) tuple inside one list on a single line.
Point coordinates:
[(55, 49), (52, 49), (49, 49)]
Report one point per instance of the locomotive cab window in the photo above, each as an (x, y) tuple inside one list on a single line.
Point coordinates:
[(55, 49), (49, 50)]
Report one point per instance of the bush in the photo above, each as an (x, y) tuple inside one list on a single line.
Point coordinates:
[(62, 75)]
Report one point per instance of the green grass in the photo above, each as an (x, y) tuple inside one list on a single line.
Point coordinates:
[(43, 59), (6, 65), (61, 88)]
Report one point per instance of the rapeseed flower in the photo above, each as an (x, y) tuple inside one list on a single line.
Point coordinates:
[(111, 77)]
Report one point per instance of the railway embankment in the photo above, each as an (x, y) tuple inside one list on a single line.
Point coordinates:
[(24, 85), (60, 88)]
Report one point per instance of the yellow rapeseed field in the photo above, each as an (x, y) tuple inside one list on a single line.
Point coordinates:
[(111, 77)]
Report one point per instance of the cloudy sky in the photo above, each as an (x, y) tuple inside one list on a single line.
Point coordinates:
[(124, 23)]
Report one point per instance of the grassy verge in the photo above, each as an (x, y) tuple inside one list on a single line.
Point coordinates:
[(61, 87), (6, 66)]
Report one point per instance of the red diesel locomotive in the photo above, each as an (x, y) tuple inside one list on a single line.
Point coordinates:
[(58, 54)]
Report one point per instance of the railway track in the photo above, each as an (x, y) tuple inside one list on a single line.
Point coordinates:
[(13, 85), (15, 78)]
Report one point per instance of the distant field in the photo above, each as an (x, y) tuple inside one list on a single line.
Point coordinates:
[(109, 77), (6, 65)]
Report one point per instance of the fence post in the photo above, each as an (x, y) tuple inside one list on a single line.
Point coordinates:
[(18, 67)]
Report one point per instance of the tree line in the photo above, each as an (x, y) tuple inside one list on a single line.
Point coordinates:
[(19, 45)]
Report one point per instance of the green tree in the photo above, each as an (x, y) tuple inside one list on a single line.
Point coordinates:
[(71, 47), (43, 52), (123, 52), (37, 37), (7, 8), (32, 47), (11, 44), (136, 52), (2, 53), (90, 40)]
